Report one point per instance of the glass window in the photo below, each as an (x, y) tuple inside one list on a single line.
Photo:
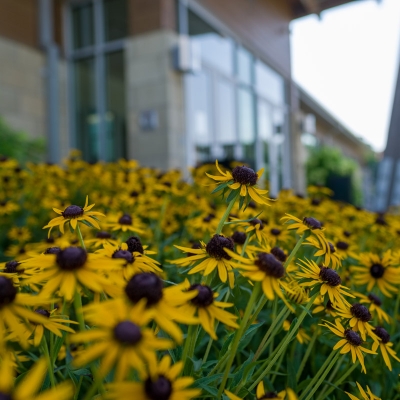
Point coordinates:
[(115, 123), (225, 120), (245, 66), (86, 118), (216, 50), (247, 133), (115, 19), (82, 26), (269, 83)]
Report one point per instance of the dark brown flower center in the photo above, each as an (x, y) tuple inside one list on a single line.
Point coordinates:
[(72, 212), (127, 332), (215, 247), (161, 389), (268, 395), (360, 312), (103, 235), (279, 254), (209, 218), (71, 258), (126, 219), (257, 221), (330, 276), (126, 255), (275, 231), (342, 245), (375, 299), (52, 250), (134, 244), (382, 334), (268, 263), (5, 396), (312, 223), (352, 337), (239, 237), (145, 285), (347, 233), (244, 176), (377, 271), (11, 267), (45, 313), (7, 291), (331, 247), (205, 296)]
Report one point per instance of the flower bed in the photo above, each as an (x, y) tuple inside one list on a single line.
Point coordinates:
[(121, 281)]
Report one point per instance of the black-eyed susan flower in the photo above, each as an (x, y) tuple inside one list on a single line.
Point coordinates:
[(72, 268), (53, 323), (120, 339), (256, 227), (161, 383), (358, 316), (310, 225), (350, 343), (374, 305), (28, 387), (327, 279), (331, 257), (102, 238), (165, 303), (126, 223), (72, 215), (15, 271), (14, 312), (265, 268), (20, 234), (385, 346), (374, 270), (366, 395), (208, 309), (241, 180), (213, 255), (135, 262)]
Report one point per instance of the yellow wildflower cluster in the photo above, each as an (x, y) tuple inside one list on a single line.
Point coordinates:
[(120, 281)]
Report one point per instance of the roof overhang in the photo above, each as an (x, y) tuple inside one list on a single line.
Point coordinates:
[(302, 8)]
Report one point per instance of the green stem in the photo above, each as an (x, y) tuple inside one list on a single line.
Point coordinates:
[(341, 379), (296, 249), (97, 385), (79, 233), (282, 347), (186, 348), (278, 367), (271, 332), (307, 354), (322, 378), (331, 377), (46, 354), (226, 214), (238, 335), (78, 311), (211, 339), (78, 388), (261, 304)]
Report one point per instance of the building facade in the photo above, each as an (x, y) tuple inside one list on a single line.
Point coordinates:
[(171, 83)]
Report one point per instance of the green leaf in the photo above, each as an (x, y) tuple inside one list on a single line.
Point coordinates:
[(81, 372), (291, 373), (238, 378), (70, 227), (220, 187), (232, 195)]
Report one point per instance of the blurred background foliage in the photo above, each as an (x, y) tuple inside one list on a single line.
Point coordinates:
[(327, 166), (19, 145)]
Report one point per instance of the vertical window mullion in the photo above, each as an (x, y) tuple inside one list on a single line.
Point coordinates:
[(100, 78)]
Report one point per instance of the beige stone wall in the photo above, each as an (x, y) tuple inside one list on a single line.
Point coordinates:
[(152, 84), (22, 101), (22, 91)]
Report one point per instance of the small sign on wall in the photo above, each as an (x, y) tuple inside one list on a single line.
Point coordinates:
[(148, 120)]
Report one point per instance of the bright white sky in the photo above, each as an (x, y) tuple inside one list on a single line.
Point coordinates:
[(348, 61)]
